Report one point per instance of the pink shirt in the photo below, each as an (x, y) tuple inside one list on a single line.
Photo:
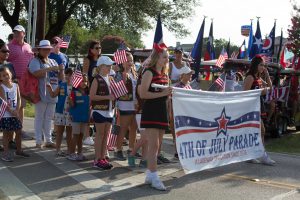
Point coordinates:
[(19, 56)]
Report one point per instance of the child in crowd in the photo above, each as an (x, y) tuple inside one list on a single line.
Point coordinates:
[(10, 122), (62, 118), (103, 104), (80, 113)]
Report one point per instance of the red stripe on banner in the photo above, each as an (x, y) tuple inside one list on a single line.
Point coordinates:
[(244, 126), (183, 132)]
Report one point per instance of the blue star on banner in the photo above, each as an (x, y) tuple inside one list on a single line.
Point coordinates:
[(222, 123)]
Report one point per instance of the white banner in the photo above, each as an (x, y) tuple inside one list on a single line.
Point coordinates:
[(214, 129)]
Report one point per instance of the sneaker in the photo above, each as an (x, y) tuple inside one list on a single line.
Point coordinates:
[(159, 162), (25, 136), (253, 161), (119, 155), (50, 145), (101, 164), (60, 154), (72, 156), (137, 155), (266, 160), (7, 157), (80, 157), (143, 163), (131, 161), (12, 145), (88, 141), (163, 159), (108, 163), (22, 154), (157, 184)]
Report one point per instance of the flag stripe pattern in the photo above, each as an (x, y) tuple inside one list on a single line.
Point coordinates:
[(65, 42), (223, 56), (3, 106), (278, 94), (234, 55), (118, 89), (120, 56), (220, 81), (76, 78), (113, 135)]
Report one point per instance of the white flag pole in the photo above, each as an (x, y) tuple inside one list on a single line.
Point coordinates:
[(29, 21), (34, 24)]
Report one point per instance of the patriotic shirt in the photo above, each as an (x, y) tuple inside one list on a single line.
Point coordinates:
[(11, 98), (19, 56), (182, 85)]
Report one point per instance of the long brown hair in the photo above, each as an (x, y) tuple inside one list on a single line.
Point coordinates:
[(254, 66), (91, 46), (154, 58)]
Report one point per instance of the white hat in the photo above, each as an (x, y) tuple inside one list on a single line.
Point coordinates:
[(104, 60), (19, 28), (44, 44), (186, 70)]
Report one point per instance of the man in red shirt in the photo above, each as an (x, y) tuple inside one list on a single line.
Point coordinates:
[(20, 56)]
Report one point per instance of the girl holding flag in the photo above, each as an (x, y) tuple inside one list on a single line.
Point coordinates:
[(154, 117), (103, 104), (253, 81)]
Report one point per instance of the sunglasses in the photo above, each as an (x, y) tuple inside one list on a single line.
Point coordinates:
[(5, 51), (97, 48)]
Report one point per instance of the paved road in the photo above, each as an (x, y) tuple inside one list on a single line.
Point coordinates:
[(43, 176)]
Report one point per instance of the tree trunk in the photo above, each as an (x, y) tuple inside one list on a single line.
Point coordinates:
[(13, 19)]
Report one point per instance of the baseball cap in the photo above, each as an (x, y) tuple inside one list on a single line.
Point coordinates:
[(104, 60), (19, 28), (186, 70), (178, 49)]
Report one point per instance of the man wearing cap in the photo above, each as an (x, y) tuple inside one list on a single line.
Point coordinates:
[(20, 56), (56, 55)]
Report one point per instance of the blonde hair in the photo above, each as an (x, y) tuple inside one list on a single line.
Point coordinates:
[(96, 70), (132, 69), (154, 58)]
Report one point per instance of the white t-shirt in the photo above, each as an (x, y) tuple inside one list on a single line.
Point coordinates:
[(110, 112), (175, 72), (129, 105), (11, 97)]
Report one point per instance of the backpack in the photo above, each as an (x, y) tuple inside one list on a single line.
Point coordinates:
[(29, 87)]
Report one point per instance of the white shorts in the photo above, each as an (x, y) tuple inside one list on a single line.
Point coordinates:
[(62, 119)]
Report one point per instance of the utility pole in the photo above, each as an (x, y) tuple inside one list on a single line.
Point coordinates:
[(41, 20)]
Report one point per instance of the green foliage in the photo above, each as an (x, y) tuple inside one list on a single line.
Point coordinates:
[(294, 32)]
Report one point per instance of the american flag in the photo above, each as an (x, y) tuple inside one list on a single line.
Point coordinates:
[(234, 55), (3, 106), (223, 56), (188, 87), (221, 81), (65, 41), (113, 135), (278, 94), (120, 56), (118, 89), (76, 78)]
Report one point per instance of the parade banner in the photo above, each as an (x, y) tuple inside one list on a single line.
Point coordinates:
[(216, 128)]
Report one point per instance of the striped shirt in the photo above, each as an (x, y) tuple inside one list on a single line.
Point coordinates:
[(20, 56)]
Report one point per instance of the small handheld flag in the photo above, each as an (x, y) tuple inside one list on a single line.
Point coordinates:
[(113, 135), (120, 56), (118, 89), (76, 78), (3, 106), (223, 56), (65, 41)]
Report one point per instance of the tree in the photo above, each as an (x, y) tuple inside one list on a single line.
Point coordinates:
[(118, 14), (294, 32)]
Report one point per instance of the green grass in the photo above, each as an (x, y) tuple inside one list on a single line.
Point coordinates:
[(287, 144), (29, 110)]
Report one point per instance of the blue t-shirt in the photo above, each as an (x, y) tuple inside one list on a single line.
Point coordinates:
[(60, 58)]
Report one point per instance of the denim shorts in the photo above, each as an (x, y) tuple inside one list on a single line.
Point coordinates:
[(98, 118), (127, 112)]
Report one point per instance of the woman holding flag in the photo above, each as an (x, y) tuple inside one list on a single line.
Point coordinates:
[(155, 118), (253, 81)]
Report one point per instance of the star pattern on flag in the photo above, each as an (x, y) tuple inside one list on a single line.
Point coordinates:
[(258, 42), (222, 123)]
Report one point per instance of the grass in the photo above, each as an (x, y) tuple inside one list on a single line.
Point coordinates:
[(287, 144), (29, 110)]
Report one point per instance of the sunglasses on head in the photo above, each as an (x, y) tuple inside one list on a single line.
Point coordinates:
[(5, 51)]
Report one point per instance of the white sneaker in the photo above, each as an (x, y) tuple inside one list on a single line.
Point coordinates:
[(88, 141), (72, 157), (157, 184), (266, 160)]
